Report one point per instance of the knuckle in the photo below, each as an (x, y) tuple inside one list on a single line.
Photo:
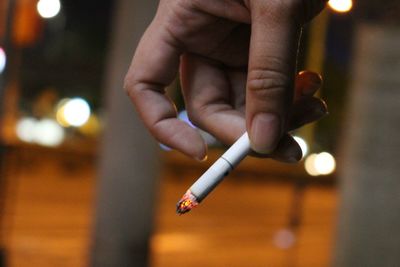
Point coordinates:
[(277, 9), (129, 84), (299, 11), (133, 86), (267, 80)]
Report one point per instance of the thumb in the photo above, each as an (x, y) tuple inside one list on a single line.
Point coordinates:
[(270, 82)]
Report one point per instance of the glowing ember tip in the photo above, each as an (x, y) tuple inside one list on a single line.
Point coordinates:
[(187, 203)]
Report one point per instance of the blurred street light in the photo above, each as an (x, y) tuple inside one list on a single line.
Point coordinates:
[(3, 60), (45, 132), (73, 112), (60, 112), (92, 127), (320, 164), (48, 133), (26, 129), (325, 163), (309, 165), (48, 8), (341, 6)]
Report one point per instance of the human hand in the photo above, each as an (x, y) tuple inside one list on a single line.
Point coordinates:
[(230, 53)]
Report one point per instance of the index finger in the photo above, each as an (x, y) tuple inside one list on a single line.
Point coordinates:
[(154, 66)]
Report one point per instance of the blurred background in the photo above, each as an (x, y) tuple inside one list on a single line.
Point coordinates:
[(83, 184)]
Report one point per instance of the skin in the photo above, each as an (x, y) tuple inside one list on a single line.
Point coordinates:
[(236, 61)]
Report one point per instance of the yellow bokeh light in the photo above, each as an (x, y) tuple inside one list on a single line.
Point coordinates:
[(92, 127), (60, 117), (309, 165), (341, 6), (73, 112)]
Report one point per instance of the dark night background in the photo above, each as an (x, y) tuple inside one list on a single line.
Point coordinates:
[(71, 52)]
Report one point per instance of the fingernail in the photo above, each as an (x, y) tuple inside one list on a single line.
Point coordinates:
[(294, 154), (315, 78), (314, 83), (265, 132), (322, 108), (202, 159), (312, 113), (317, 111)]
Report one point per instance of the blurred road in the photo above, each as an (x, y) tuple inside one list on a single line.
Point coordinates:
[(49, 211)]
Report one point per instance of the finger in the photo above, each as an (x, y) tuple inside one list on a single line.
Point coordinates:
[(306, 110), (271, 73), (209, 100), (307, 83), (228, 9), (287, 150), (154, 66)]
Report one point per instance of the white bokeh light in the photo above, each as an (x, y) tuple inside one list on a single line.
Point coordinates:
[(309, 165), (48, 8), (48, 133), (341, 6), (325, 163), (26, 129), (303, 145), (45, 132), (3, 60), (320, 164), (76, 112)]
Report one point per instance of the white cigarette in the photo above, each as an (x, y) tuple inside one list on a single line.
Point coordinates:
[(215, 174)]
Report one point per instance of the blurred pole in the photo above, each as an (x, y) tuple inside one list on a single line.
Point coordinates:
[(6, 17), (369, 217), (128, 161)]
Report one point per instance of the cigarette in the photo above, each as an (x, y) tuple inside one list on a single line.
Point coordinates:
[(214, 175)]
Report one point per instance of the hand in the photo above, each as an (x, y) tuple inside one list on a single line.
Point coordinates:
[(237, 61)]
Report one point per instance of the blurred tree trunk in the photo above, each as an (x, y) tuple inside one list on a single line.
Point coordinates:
[(369, 217), (128, 162)]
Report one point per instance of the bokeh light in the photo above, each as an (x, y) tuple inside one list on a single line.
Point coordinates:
[(3, 60), (48, 8), (284, 239), (60, 112), (26, 129), (303, 145), (320, 164), (73, 112), (48, 133), (45, 132), (325, 163), (92, 127), (341, 6), (309, 165)]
